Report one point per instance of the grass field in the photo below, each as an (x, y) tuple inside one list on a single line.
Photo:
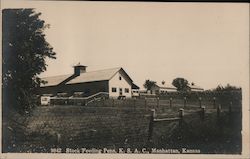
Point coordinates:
[(124, 123)]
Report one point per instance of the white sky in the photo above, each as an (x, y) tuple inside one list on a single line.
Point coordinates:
[(206, 43)]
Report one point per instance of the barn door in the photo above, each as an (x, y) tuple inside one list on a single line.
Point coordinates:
[(120, 91)]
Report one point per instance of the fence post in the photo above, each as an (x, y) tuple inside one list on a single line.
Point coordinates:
[(113, 102), (219, 124), (134, 103), (181, 115), (202, 115), (170, 102), (214, 102), (230, 107), (218, 111), (158, 102), (58, 138), (123, 102), (185, 101), (200, 101), (151, 125), (145, 103), (103, 101), (230, 111)]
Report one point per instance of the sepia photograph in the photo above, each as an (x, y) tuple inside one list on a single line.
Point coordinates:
[(153, 79)]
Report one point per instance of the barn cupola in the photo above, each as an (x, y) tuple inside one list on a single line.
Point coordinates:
[(78, 69), (163, 82)]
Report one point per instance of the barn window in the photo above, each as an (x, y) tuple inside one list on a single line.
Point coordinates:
[(126, 90), (113, 89), (120, 78)]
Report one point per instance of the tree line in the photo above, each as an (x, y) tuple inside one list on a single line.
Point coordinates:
[(182, 85)]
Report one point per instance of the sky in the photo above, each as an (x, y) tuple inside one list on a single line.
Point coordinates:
[(205, 43)]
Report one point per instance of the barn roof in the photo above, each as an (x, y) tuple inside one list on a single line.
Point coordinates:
[(166, 86), (54, 80), (134, 86), (100, 75), (195, 87)]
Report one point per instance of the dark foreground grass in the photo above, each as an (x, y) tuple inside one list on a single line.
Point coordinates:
[(120, 127)]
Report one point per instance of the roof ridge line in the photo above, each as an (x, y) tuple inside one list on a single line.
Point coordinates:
[(105, 69), (85, 72), (55, 76)]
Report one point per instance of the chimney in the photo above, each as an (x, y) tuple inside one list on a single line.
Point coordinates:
[(78, 69)]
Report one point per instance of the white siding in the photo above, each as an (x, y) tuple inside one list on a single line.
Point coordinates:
[(157, 89), (196, 90), (168, 90), (115, 82)]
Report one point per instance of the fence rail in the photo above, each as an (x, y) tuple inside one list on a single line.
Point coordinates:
[(78, 100), (160, 105)]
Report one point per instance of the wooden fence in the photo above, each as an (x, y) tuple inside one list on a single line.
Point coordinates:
[(201, 111), (160, 105)]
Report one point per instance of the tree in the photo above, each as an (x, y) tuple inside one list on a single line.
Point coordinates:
[(24, 52), (181, 84), (227, 88), (149, 84)]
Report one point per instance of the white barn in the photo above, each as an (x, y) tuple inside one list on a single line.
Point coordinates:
[(195, 88), (163, 88), (114, 81)]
